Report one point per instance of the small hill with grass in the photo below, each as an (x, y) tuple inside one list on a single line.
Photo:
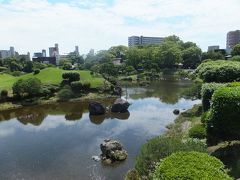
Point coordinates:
[(50, 76)]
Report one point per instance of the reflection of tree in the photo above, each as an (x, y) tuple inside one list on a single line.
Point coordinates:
[(230, 156), (97, 119), (73, 116), (32, 116)]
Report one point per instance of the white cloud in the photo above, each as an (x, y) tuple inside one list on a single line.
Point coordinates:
[(33, 25)]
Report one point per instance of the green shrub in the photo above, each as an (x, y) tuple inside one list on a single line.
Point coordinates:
[(160, 147), (132, 175), (219, 71), (71, 76), (224, 119), (27, 87), (16, 73), (76, 86), (207, 92), (65, 94), (197, 131), (36, 71), (205, 117), (190, 165), (2, 69), (236, 58), (4, 94), (86, 86)]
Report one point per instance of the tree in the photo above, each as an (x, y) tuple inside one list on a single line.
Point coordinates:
[(191, 57), (28, 67), (236, 50), (29, 87), (71, 76), (108, 69), (212, 55)]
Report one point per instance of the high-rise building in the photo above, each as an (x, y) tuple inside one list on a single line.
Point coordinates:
[(44, 53), (7, 53), (54, 52), (213, 48), (233, 38), (143, 40), (76, 50)]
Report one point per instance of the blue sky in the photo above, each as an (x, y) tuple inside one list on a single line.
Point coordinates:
[(33, 25)]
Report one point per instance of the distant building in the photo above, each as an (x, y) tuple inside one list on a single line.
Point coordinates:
[(54, 52), (44, 53), (7, 53), (38, 54), (45, 60), (91, 52), (117, 61), (233, 38), (77, 50), (213, 48), (143, 40)]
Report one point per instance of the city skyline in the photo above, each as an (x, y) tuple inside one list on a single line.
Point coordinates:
[(30, 25)]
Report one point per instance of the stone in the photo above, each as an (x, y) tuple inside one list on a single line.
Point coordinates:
[(96, 108), (113, 151), (96, 158), (120, 106), (176, 111)]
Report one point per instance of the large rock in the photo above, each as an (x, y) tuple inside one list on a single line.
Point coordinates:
[(112, 151), (120, 106), (95, 108)]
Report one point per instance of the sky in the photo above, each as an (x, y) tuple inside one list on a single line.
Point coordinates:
[(33, 25)]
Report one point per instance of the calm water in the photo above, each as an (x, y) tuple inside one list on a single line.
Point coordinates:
[(58, 141)]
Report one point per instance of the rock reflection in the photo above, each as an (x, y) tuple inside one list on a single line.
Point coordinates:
[(34, 117), (100, 119)]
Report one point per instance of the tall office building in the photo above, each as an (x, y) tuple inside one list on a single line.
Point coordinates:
[(76, 50), (44, 53), (213, 48), (143, 40), (54, 52), (233, 38), (12, 51), (7, 53)]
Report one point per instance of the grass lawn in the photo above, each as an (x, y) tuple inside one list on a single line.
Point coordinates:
[(49, 76)]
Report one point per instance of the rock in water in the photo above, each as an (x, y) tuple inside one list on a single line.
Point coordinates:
[(176, 111), (112, 151), (95, 108), (120, 106)]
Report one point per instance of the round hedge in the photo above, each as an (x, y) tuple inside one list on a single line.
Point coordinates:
[(224, 121), (197, 131), (190, 165)]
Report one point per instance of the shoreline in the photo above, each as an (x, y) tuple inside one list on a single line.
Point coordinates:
[(10, 106)]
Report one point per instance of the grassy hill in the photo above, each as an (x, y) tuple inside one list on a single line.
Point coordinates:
[(49, 76)]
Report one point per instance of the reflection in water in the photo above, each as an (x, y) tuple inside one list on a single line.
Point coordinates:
[(100, 118), (57, 141)]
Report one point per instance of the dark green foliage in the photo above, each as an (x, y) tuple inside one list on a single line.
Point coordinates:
[(197, 131), (219, 71), (224, 120), (212, 55), (29, 87), (4, 94), (36, 71), (236, 58), (191, 57), (67, 66), (71, 76), (132, 175), (207, 92), (160, 147), (236, 50), (86, 86), (49, 89), (16, 73), (65, 94), (76, 86), (28, 67), (2, 69), (190, 165)]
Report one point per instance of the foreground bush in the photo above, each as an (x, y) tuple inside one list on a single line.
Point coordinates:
[(190, 165), (4, 94), (76, 86), (36, 71), (197, 131), (219, 71), (160, 147), (224, 119), (207, 92)]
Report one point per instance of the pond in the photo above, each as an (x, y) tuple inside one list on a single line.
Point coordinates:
[(58, 141)]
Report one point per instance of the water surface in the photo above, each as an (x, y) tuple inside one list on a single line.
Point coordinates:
[(58, 141)]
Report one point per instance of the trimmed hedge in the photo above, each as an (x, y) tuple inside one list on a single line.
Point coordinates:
[(71, 76), (190, 165), (220, 71), (207, 92), (160, 147), (76, 86), (224, 119)]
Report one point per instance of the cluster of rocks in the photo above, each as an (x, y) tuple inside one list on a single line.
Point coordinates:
[(112, 151), (119, 106)]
